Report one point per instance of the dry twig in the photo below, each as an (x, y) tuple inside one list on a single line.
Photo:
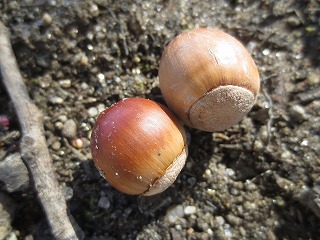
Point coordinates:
[(33, 146)]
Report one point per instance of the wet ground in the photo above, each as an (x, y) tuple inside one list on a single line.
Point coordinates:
[(256, 180)]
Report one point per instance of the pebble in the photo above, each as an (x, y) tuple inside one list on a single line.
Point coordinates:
[(284, 184), (298, 114), (94, 10), (189, 210), (190, 231), (55, 100), (42, 60), (220, 220), (58, 125), (210, 232), (13, 173), (101, 107), (62, 118), (250, 186), (242, 231), (211, 192), (4, 121), (233, 220), (69, 129), (84, 86), (313, 78), (117, 79), (192, 181), (56, 145), (293, 21), (104, 203), (46, 19), (227, 233), (174, 213), (230, 172), (93, 112), (77, 143), (234, 192), (65, 83)]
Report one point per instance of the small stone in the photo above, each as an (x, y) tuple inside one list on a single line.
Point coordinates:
[(42, 60), (101, 107), (136, 59), (93, 112), (233, 220), (58, 125), (174, 213), (298, 114), (56, 145), (55, 100), (211, 192), (189, 210), (65, 83), (284, 184), (294, 21), (104, 203), (83, 59), (84, 86), (250, 186), (234, 192), (313, 78), (230, 172), (258, 145), (13, 173), (242, 231), (77, 143), (220, 220), (94, 10), (62, 118), (117, 79), (227, 233), (192, 181), (46, 19), (190, 231), (4, 121), (208, 173), (69, 129), (101, 77)]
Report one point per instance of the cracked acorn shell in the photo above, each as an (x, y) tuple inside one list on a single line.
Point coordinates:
[(138, 146), (208, 79)]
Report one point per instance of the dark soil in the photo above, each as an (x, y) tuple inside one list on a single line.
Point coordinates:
[(256, 180)]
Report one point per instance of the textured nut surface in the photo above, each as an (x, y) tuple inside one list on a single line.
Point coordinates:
[(198, 61), (221, 108), (169, 176), (134, 142)]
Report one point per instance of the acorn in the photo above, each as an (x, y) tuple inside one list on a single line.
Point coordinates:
[(139, 146), (208, 79)]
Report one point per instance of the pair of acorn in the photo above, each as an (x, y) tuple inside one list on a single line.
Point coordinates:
[(207, 78)]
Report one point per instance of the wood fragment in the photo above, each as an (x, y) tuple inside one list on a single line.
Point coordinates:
[(33, 146)]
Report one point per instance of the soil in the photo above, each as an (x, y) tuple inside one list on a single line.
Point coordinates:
[(256, 180)]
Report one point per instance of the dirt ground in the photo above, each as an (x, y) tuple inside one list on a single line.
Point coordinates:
[(257, 180)]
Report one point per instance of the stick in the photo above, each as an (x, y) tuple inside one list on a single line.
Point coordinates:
[(33, 146)]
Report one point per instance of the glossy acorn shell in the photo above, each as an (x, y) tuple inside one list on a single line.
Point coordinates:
[(139, 146), (208, 79)]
